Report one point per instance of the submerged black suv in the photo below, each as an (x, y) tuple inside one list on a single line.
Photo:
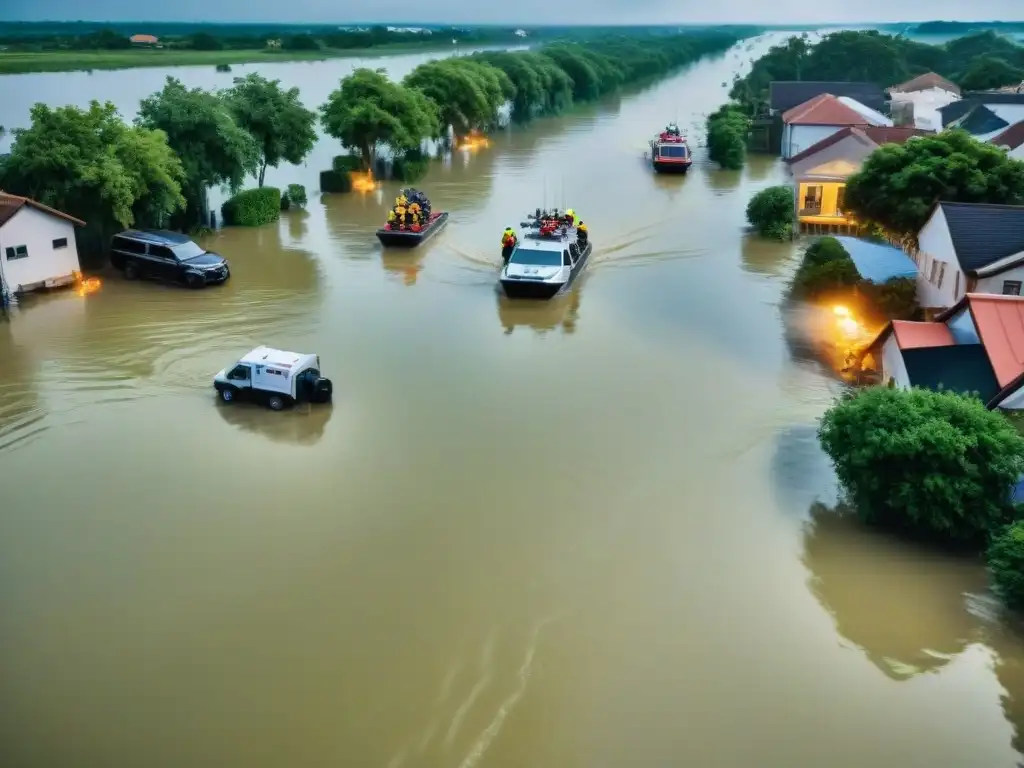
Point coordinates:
[(168, 256)]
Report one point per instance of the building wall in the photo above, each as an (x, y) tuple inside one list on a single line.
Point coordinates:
[(892, 364), (926, 106), (37, 231), (935, 246), (1018, 153), (1013, 402), (797, 138), (961, 327), (829, 195), (849, 150), (994, 284)]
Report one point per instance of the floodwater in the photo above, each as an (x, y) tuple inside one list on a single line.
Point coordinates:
[(596, 532)]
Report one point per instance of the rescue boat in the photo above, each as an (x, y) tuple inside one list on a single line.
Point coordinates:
[(669, 151), (547, 260)]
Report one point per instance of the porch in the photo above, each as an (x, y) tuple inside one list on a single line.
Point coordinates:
[(820, 207)]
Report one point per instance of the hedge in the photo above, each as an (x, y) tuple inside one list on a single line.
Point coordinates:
[(410, 166), (253, 207), (1006, 563), (347, 163), (293, 197), (335, 181), (727, 131)]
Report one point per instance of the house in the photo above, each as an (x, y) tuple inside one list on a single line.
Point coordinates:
[(783, 95), (37, 245), (821, 170), (1006, 107), (969, 248), (924, 95), (806, 124), (976, 346), (1012, 140), (144, 41)]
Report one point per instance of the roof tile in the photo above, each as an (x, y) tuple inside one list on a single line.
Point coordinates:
[(914, 335), (825, 109), (11, 204), (1000, 324), (1012, 137), (783, 95), (924, 82), (983, 233)]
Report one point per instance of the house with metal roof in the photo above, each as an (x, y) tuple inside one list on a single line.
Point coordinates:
[(783, 95), (1007, 107), (806, 124), (37, 246), (820, 173), (922, 97), (969, 248), (975, 347)]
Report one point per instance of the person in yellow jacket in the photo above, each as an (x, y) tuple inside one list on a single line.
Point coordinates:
[(401, 201), (392, 219), (508, 243), (582, 233), (571, 216)]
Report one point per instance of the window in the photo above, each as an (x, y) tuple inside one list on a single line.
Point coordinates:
[(536, 258), (956, 286), (240, 373), (840, 199), (813, 197), (188, 250), (161, 252), (17, 252), (942, 273), (60, 242), (934, 272), (129, 246), (1011, 287)]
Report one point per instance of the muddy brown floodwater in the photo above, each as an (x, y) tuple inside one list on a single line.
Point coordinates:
[(596, 532)]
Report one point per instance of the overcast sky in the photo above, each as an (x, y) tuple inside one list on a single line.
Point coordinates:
[(522, 12)]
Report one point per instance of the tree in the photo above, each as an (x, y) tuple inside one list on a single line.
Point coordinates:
[(1006, 563), (771, 212), (937, 464), (727, 137), (990, 72), (91, 164), (368, 110), (283, 128), (899, 183), (467, 93), (200, 128)]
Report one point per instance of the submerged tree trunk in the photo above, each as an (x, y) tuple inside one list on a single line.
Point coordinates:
[(263, 172)]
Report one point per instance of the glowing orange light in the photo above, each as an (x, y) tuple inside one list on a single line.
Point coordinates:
[(841, 311), (363, 182), (86, 285), (472, 142)]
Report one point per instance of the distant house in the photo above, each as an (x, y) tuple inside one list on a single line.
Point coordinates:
[(976, 346), (1012, 140), (924, 96), (37, 245), (144, 41), (820, 171), (995, 111), (274, 45), (969, 248), (806, 124), (783, 95)]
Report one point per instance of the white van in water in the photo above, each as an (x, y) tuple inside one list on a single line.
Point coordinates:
[(274, 377)]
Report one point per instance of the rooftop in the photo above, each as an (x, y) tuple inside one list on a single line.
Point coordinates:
[(981, 120), (1012, 137), (878, 262), (269, 356), (983, 233), (783, 95), (869, 134), (914, 335), (958, 109), (925, 82), (157, 236), (873, 116), (11, 204), (825, 109), (999, 321)]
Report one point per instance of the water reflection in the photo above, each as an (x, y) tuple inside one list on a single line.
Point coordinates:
[(298, 223), (404, 263), (761, 256), (542, 316), (722, 181), (760, 167), (21, 411), (302, 425), (905, 607)]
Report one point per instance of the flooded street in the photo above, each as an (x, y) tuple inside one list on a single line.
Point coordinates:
[(596, 532)]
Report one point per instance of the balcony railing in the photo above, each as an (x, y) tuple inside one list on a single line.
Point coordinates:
[(811, 210)]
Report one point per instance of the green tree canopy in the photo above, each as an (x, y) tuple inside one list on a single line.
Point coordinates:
[(937, 464), (1006, 562), (200, 128), (990, 72), (467, 93), (283, 128), (91, 164), (586, 84), (368, 110), (899, 183), (771, 212), (727, 130)]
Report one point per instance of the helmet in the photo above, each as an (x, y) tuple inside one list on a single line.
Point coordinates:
[(570, 212)]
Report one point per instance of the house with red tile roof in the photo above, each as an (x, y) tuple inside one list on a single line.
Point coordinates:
[(1012, 140), (820, 171), (976, 346), (144, 40), (806, 124), (37, 246)]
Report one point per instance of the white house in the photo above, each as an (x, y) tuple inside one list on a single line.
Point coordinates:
[(973, 347), (969, 248), (806, 124), (926, 95), (37, 245), (1011, 140)]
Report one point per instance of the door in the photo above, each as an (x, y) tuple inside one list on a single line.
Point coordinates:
[(240, 377), (812, 201), (841, 201), (163, 264)]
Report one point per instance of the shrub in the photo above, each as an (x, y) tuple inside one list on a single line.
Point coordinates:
[(816, 281), (727, 137), (295, 196), (253, 207), (347, 163), (1006, 563), (335, 181), (895, 299), (409, 166), (772, 212), (936, 464)]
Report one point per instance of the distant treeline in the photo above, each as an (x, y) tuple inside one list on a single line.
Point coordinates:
[(976, 62), (966, 27)]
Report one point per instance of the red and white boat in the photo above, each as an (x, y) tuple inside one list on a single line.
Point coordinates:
[(669, 151)]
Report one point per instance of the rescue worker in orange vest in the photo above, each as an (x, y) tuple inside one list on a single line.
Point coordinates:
[(508, 243)]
